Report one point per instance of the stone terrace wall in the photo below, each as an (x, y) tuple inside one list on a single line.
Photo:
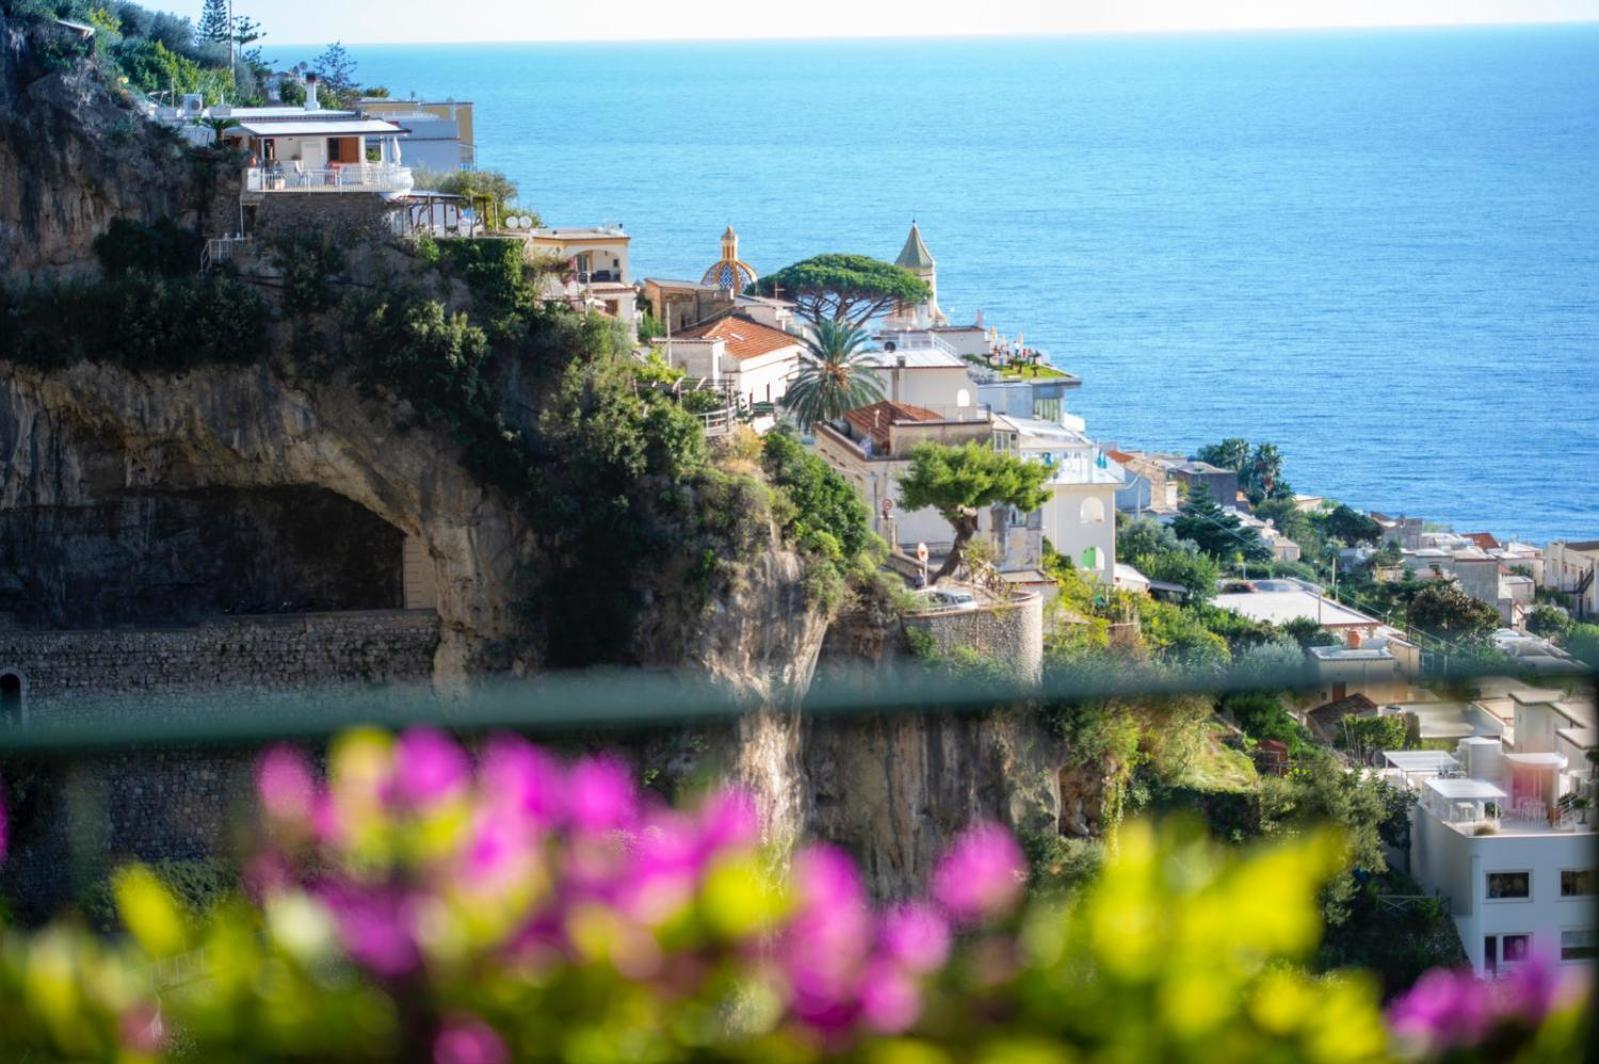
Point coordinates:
[(255, 654), (1011, 632), (76, 815)]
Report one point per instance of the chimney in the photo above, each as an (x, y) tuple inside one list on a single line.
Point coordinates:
[(311, 102)]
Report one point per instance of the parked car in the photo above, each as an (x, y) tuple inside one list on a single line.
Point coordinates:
[(948, 598)]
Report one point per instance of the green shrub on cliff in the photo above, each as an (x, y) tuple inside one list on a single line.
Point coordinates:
[(137, 321), (825, 514), (495, 271), (164, 248)]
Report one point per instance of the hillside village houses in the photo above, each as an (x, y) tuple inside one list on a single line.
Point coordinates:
[(940, 380), (1572, 571)]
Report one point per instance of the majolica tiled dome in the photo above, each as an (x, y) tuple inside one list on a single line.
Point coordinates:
[(730, 271)]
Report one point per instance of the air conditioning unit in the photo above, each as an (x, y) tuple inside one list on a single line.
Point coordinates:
[(193, 104)]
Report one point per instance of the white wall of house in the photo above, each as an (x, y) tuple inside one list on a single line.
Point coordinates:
[(1456, 865), (1565, 568), (1080, 521), (602, 254), (764, 378), (936, 387)]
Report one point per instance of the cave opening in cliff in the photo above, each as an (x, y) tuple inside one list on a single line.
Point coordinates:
[(11, 698), (135, 558)]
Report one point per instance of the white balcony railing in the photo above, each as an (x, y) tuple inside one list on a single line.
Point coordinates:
[(352, 177)]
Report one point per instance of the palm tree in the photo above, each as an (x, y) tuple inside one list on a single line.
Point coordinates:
[(220, 126), (837, 377)]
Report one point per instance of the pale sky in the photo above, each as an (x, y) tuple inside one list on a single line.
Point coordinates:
[(419, 21)]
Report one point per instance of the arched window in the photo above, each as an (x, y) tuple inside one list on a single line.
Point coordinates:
[(1092, 512), (1090, 558), (12, 694), (963, 397)]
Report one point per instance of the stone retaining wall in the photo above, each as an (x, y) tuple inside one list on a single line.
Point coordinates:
[(1011, 632), (76, 814), (256, 654)]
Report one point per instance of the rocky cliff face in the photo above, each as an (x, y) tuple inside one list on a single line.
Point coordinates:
[(73, 157)]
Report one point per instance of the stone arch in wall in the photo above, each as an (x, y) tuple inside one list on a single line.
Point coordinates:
[(1092, 512), (13, 696)]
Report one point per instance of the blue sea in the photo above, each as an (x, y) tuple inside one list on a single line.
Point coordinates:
[(1379, 249)]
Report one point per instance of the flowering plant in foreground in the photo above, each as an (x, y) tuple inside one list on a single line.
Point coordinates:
[(425, 903)]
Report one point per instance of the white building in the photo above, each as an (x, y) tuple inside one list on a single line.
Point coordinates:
[(871, 448), (438, 132), (920, 369), (1079, 518), (596, 275), (753, 359), (309, 148), (1573, 570), (1496, 830)]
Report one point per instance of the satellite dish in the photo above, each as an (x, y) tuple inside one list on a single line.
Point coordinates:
[(513, 222), (527, 222)]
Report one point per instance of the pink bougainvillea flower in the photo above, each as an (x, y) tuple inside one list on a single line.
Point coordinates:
[(375, 927), (729, 821), (825, 878), (667, 859), (601, 795), (266, 874), (890, 999), (982, 876), (429, 768), (285, 785), (1444, 1008), (326, 825), (523, 778), (915, 936), (468, 1040), (501, 850), (824, 948), (142, 1029), (1529, 991)]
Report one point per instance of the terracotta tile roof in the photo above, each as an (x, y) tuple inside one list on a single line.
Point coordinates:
[(744, 337), (1485, 540), (1119, 457), (873, 421)]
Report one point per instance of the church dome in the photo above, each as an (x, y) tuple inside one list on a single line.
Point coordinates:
[(730, 271)]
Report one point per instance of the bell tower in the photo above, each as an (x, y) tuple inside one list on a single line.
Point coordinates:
[(915, 257)]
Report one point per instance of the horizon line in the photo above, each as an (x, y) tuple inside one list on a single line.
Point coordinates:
[(1177, 31)]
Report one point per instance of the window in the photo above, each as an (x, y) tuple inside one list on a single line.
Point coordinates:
[(1579, 945), (1516, 948), (1505, 885), (1579, 882), (1093, 512)]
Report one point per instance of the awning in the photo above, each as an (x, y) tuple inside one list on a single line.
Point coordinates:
[(1420, 760), (1466, 790), (353, 127), (1539, 760)]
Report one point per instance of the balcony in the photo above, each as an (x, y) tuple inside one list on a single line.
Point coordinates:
[(348, 177)]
